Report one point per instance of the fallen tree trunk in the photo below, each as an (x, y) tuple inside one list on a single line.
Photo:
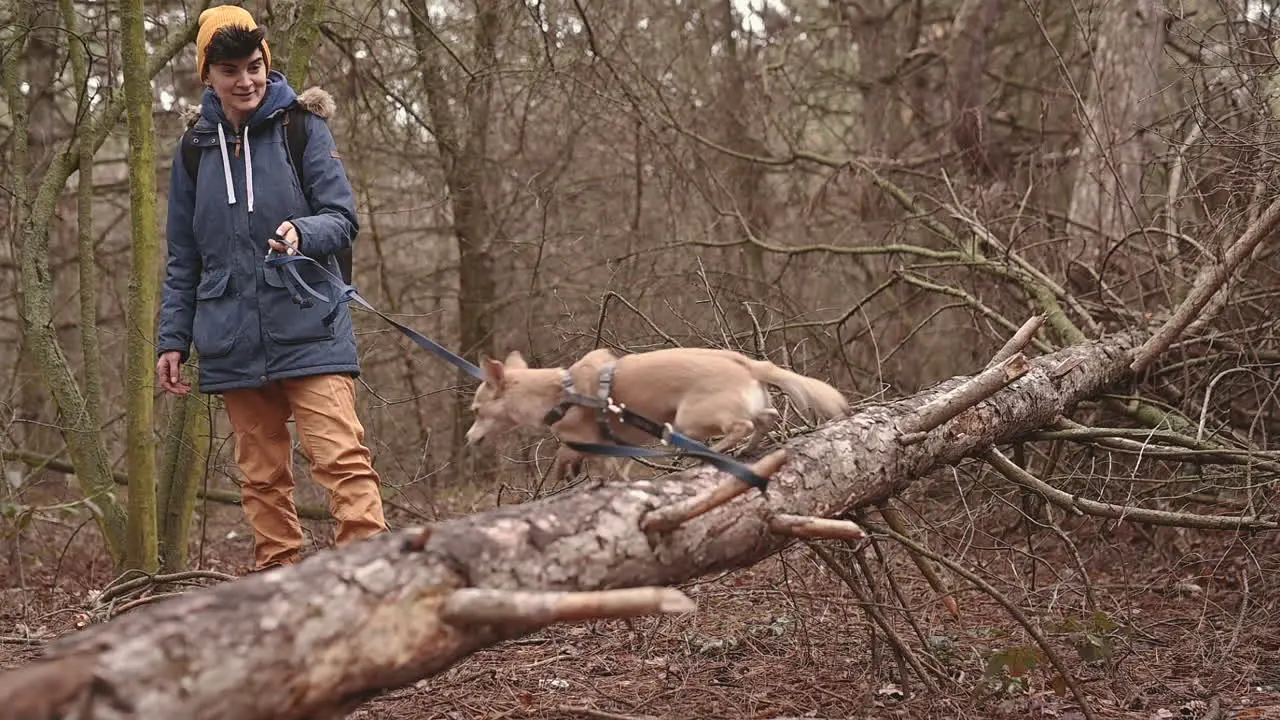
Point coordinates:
[(319, 638)]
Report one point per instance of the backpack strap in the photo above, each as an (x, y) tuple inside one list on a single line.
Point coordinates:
[(295, 139), (190, 155)]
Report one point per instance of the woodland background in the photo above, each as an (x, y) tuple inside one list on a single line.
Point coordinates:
[(875, 192)]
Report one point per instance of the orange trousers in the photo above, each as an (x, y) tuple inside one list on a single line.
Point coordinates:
[(324, 410)]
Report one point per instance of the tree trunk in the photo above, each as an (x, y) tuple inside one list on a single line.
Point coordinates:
[(748, 190), (181, 470), (1122, 97), (464, 158), (975, 24), (328, 633), (296, 26), (34, 215), (141, 548), (90, 345)]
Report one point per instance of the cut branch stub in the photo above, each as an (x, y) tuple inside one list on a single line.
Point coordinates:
[(519, 609), (970, 393), (666, 519), (1019, 341), (815, 528)]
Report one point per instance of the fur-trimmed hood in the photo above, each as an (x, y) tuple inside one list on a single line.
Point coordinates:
[(314, 99)]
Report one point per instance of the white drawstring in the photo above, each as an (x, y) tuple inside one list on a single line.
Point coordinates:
[(226, 166), (248, 170)]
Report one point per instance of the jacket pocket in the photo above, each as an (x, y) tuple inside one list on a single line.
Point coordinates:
[(287, 322), (217, 318)]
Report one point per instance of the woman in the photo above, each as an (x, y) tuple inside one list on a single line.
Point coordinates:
[(269, 357)]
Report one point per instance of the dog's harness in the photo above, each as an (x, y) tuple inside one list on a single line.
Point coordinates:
[(605, 408), (286, 268)]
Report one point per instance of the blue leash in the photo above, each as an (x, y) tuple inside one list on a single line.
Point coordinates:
[(347, 293), (286, 266)]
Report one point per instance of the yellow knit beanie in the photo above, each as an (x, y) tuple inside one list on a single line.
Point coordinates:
[(216, 18)]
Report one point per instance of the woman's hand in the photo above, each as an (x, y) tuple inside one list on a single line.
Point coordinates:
[(293, 241)]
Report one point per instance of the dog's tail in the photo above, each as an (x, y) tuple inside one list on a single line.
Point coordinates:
[(806, 392)]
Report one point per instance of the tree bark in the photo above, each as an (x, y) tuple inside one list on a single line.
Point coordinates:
[(182, 468), (296, 32), (325, 635)]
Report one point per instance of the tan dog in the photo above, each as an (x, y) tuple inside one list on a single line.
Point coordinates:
[(701, 392)]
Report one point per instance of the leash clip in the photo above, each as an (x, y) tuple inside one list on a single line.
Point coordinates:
[(667, 430)]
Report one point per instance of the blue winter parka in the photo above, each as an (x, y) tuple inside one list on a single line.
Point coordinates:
[(218, 293)]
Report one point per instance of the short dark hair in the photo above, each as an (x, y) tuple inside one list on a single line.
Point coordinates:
[(234, 42)]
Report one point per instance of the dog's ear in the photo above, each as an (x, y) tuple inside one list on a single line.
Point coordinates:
[(516, 361), (492, 371)]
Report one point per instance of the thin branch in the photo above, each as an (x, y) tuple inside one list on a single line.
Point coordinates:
[(870, 607), (1208, 280), (226, 497), (1082, 506)]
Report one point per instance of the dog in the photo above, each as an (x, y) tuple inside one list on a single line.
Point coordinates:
[(700, 392)]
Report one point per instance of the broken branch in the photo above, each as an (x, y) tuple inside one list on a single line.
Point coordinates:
[(975, 390), (475, 606), (670, 517), (1019, 341), (799, 526), (284, 639)]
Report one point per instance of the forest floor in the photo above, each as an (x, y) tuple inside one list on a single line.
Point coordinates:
[(1186, 627)]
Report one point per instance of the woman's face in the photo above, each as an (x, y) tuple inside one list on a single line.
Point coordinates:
[(240, 85)]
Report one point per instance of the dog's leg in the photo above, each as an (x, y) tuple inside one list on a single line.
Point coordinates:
[(738, 431), (568, 462), (620, 468), (764, 422)]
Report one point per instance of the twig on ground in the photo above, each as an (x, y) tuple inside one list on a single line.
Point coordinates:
[(600, 714), (126, 607), (1020, 617), (121, 586), (9, 640)]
